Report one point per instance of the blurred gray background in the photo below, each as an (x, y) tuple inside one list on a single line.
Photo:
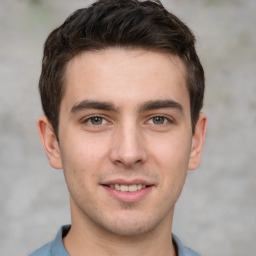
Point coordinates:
[(216, 213)]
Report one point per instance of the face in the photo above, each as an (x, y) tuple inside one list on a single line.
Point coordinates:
[(125, 139)]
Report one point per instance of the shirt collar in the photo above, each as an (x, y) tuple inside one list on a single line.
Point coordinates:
[(59, 249)]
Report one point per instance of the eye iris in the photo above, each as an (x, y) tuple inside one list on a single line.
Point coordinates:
[(96, 120), (158, 120)]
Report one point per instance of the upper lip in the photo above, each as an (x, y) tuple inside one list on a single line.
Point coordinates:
[(128, 182)]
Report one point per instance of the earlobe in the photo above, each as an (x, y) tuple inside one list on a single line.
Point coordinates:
[(198, 142), (49, 141)]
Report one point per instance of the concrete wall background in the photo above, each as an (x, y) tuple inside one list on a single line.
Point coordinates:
[(216, 213)]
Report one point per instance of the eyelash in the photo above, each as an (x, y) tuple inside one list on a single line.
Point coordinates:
[(166, 120), (89, 120), (150, 121)]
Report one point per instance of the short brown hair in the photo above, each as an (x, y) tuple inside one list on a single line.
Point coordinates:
[(118, 23)]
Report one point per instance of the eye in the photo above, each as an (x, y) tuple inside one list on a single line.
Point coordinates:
[(96, 120), (158, 120)]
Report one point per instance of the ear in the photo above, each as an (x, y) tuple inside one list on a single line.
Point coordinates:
[(49, 141), (198, 142)]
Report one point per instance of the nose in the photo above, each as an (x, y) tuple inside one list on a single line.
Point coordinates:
[(127, 147)]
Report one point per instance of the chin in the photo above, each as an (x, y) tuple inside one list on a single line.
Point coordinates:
[(129, 231), (130, 227)]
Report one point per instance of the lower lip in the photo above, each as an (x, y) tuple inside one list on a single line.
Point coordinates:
[(128, 197)]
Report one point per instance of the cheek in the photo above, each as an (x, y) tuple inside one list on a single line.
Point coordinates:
[(171, 159), (173, 152), (79, 175), (81, 159), (84, 150)]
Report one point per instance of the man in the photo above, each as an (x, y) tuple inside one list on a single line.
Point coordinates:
[(122, 89)]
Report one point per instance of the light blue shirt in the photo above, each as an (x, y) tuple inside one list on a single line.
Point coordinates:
[(56, 247)]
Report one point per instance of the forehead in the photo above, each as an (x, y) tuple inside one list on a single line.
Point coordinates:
[(124, 76)]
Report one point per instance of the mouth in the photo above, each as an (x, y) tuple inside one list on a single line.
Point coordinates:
[(127, 188), (128, 191)]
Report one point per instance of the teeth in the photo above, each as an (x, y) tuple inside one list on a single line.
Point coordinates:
[(133, 188), (125, 188)]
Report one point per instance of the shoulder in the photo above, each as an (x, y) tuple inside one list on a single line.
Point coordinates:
[(55, 247), (182, 249), (43, 251)]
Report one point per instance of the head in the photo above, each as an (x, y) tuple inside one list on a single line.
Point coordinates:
[(122, 88), (126, 24)]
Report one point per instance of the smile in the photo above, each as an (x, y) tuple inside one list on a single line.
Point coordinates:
[(127, 188), (128, 191)]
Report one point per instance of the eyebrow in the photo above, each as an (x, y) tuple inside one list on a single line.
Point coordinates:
[(157, 104), (147, 106), (89, 104)]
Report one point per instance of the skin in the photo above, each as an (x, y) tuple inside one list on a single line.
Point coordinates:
[(125, 115)]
